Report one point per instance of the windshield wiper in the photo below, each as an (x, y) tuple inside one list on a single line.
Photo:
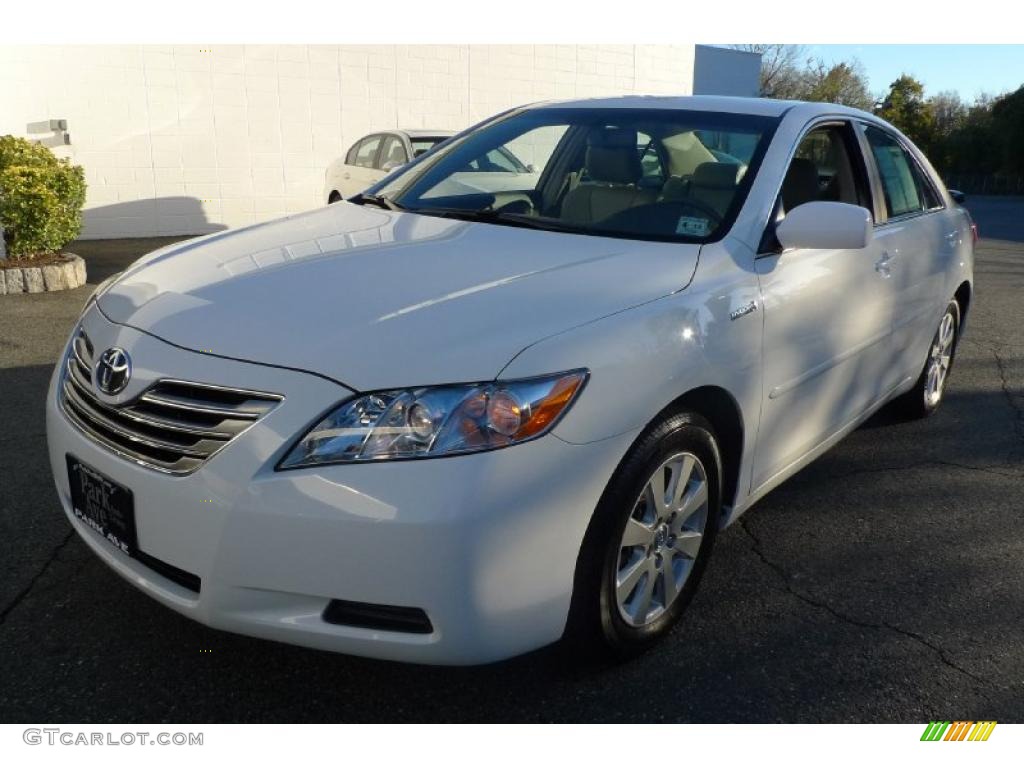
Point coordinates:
[(497, 217), (379, 200)]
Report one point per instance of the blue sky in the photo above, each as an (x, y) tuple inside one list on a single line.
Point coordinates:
[(969, 69)]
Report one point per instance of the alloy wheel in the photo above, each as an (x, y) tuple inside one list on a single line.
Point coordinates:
[(939, 358), (661, 540)]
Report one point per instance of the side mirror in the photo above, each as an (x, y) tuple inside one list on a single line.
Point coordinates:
[(389, 167), (958, 197), (823, 225)]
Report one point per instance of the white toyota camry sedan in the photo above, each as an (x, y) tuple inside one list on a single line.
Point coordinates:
[(449, 424)]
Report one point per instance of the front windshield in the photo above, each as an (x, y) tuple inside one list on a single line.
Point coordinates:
[(634, 173)]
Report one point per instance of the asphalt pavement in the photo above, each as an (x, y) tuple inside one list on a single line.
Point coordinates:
[(884, 583)]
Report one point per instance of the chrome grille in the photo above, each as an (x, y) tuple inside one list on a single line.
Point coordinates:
[(173, 426)]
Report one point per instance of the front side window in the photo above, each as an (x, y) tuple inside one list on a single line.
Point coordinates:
[(905, 188), (631, 173), (825, 167), (393, 153), (650, 161), (366, 154)]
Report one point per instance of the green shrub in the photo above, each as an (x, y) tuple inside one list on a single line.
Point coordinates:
[(41, 198)]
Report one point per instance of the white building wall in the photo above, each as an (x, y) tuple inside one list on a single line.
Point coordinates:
[(186, 140)]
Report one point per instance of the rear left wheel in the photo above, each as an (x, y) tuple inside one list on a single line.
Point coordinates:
[(926, 396)]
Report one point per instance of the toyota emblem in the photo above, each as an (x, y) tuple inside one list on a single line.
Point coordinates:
[(113, 371)]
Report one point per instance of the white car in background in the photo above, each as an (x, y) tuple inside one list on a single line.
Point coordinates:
[(471, 412), (370, 159), (373, 157)]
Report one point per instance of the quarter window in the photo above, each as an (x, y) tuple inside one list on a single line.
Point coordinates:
[(906, 190)]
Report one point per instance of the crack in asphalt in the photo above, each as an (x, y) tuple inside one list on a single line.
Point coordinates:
[(757, 549), (1011, 396), (18, 598)]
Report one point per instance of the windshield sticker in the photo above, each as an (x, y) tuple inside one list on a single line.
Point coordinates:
[(692, 226)]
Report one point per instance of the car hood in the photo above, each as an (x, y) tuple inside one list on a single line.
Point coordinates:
[(375, 298)]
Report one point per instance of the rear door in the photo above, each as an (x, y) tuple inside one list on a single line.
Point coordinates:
[(915, 245), (827, 313)]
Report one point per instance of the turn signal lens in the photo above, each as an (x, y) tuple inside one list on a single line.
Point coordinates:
[(437, 421), (545, 412)]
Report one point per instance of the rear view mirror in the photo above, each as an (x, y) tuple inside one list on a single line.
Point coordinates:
[(958, 197), (822, 225)]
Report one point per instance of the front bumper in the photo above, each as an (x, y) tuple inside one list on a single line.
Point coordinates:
[(485, 544)]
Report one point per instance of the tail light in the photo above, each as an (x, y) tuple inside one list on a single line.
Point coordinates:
[(974, 233)]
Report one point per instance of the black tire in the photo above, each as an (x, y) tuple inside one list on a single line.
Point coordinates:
[(915, 404), (334, 197), (595, 627)]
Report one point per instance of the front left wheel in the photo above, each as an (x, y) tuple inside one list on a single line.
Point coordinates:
[(649, 540)]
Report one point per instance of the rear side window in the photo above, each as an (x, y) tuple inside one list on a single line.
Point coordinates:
[(906, 190), (350, 156), (366, 151)]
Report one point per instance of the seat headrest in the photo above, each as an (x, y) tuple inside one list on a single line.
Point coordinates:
[(716, 175), (612, 156), (801, 183)]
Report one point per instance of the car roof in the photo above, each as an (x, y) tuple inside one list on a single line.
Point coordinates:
[(735, 104)]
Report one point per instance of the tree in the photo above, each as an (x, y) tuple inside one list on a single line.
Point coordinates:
[(950, 112), (843, 83), (1008, 126), (950, 116), (906, 108), (785, 74), (780, 68), (971, 146)]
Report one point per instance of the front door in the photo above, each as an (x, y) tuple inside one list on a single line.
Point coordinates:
[(827, 314)]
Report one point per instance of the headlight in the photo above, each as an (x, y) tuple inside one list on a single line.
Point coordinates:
[(437, 421)]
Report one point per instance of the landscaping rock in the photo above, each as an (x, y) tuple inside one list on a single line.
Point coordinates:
[(54, 278), (33, 280), (68, 273), (15, 280), (78, 264)]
